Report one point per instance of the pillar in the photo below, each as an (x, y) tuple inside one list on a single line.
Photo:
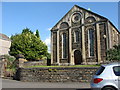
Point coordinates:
[(109, 33), (58, 62), (83, 43), (98, 44), (51, 47), (70, 48)]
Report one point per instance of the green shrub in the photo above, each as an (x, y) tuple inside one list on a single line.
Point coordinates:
[(50, 70)]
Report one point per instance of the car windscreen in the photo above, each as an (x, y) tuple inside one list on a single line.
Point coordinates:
[(116, 70), (100, 70)]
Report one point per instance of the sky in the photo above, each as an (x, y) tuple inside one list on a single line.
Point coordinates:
[(44, 15)]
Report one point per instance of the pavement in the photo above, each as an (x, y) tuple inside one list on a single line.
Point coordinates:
[(18, 85)]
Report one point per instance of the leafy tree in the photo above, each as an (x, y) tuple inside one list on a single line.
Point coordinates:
[(114, 53), (48, 56), (37, 34), (29, 45), (27, 30)]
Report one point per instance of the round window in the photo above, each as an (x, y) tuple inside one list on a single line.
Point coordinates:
[(76, 18)]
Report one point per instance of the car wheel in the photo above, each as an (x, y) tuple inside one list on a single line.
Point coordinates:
[(108, 88)]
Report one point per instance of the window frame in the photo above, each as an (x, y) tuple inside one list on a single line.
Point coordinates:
[(89, 43), (116, 73), (100, 70), (76, 37), (64, 49)]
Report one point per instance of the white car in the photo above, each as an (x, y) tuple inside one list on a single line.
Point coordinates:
[(107, 77)]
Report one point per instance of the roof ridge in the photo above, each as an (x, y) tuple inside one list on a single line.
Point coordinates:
[(4, 37)]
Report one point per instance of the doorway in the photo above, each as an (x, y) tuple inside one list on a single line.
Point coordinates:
[(77, 57)]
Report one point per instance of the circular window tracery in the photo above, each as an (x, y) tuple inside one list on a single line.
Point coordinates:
[(76, 17)]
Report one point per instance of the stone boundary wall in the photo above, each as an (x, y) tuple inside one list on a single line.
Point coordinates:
[(35, 63), (0, 69), (56, 74)]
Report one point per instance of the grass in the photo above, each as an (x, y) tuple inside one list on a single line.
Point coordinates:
[(12, 69), (64, 66)]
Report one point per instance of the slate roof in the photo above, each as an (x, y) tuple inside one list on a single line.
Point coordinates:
[(4, 37)]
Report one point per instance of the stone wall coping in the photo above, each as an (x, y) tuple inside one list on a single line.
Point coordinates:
[(61, 68)]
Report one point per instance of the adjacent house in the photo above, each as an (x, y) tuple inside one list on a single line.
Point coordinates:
[(82, 37), (5, 44)]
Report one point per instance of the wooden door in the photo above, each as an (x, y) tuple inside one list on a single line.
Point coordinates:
[(77, 57)]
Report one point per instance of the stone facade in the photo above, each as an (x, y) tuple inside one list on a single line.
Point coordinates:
[(82, 37), (56, 74), (5, 44)]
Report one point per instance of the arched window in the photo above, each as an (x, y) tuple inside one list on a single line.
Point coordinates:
[(64, 25), (90, 19), (76, 36), (64, 48), (91, 42)]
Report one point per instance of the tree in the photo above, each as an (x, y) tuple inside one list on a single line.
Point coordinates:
[(37, 34), (114, 53), (48, 55), (29, 45), (27, 30)]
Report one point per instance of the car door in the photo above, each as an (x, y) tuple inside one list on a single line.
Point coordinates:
[(116, 70)]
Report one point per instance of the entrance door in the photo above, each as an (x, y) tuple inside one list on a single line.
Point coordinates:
[(77, 57)]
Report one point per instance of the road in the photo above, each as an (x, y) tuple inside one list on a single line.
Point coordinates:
[(17, 85)]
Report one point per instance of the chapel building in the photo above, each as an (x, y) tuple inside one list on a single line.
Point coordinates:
[(82, 37)]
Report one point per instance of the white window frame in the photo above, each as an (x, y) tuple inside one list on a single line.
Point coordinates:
[(89, 42), (62, 47), (75, 38)]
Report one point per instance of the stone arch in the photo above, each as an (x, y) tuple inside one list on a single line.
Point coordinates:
[(90, 19), (64, 25)]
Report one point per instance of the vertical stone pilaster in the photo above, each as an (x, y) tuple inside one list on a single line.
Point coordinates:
[(83, 42), (107, 36), (70, 47), (51, 47), (83, 45), (98, 44), (109, 33), (54, 46), (58, 62), (70, 44)]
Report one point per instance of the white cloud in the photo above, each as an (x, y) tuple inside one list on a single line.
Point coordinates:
[(34, 32), (48, 43), (9, 36)]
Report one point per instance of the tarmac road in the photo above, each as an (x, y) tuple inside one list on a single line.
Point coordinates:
[(17, 85)]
